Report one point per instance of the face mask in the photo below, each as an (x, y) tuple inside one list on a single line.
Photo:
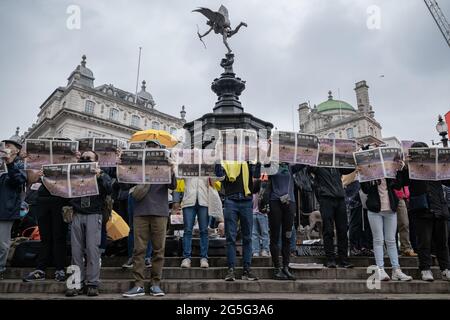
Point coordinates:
[(83, 160)]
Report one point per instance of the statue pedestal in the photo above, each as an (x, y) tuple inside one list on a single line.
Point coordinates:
[(228, 112)]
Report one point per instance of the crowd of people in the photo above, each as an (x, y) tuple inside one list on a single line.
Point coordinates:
[(265, 212)]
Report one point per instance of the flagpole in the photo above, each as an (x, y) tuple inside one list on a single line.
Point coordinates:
[(137, 78)]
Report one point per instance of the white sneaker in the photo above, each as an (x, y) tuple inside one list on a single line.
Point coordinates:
[(382, 275), (264, 253), (204, 263), (256, 254), (427, 275), (186, 263), (446, 275), (398, 275)]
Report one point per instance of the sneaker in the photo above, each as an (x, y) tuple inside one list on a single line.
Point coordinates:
[(156, 291), (36, 275), (248, 275), (409, 253), (331, 264), (92, 291), (72, 292), (60, 275), (398, 275), (355, 252), (256, 254), (128, 264), (231, 276), (367, 252), (134, 292), (148, 262), (446, 275), (278, 274), (204, 263), (265, 253), (382, 275), (288, 273), (186, 263), (427, 275), (345, 265)]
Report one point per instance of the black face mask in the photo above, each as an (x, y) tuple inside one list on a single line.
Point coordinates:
[(83, 160)]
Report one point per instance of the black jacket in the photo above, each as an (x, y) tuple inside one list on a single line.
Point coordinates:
[(328, 182), (437, 202), (96, 204), (373, 197), (237, 187), (11, 187)]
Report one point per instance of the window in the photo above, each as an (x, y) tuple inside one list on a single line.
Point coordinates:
[(173, 131), (135, 120), (89, 107), (113, 114), (332, 135), (155, 125), (350, 133)]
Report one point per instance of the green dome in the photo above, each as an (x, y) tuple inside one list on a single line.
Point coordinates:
[(332, 104)]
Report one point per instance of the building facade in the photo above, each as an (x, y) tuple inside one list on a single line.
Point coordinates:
[(81, 110), (339, 119)]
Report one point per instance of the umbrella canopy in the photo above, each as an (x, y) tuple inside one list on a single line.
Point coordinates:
[(162, 136)]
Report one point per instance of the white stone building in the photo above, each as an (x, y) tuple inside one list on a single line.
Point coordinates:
[(339, 119), (81, 110)]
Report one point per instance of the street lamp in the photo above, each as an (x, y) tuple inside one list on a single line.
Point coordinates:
[(442, 129)]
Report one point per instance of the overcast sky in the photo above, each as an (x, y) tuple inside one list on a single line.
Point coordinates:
[(292, 51)]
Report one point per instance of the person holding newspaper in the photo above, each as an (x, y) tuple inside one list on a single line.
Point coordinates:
[(429, 207), (12, 183), (86, 231), (382, 205), (151, 213)]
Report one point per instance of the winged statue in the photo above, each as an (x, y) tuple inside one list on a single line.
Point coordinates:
[(219, 21)]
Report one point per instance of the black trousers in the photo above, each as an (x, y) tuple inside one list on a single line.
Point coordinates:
[(432, 231), (53, 232), (334, 213), (281, 218), (360, 234), (412, 230)]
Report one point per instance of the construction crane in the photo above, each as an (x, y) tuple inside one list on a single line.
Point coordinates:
[(440, 19)]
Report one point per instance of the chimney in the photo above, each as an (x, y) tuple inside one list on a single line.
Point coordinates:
[(362, 97)]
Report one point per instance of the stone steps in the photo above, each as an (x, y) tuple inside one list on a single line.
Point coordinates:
[(263, 261), (315, 286), (220, 272), (238, 297)]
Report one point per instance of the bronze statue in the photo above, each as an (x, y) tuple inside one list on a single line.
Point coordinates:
[(220, 23)]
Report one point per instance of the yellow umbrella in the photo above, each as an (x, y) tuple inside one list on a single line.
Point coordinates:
[(162, 136)]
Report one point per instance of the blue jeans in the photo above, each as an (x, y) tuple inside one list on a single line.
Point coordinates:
[(189, 215), (242, 210), (149, 251), (260, 238), (384, 229)]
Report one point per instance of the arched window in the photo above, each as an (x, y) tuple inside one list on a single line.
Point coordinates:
[(135, 121), (89, 107), (332, 135), (113, 114), (350, 133), (155, 125)]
